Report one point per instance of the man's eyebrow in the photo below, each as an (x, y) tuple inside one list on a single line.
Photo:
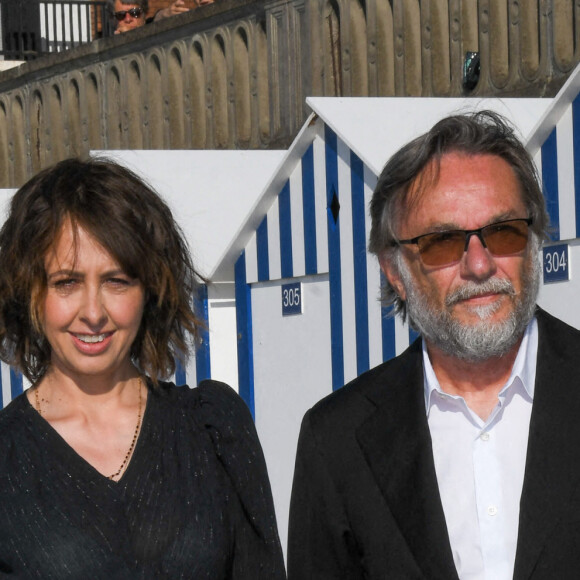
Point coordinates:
[(446, 226)]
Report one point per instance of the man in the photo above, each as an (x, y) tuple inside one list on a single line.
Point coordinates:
[(459, 458), (131, 14)]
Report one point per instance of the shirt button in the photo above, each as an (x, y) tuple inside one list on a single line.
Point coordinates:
[(485, 436), (491, 510)]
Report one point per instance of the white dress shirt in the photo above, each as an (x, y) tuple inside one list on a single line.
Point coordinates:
[(480, 466)]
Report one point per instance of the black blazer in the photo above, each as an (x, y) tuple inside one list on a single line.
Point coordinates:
[(365, 501)]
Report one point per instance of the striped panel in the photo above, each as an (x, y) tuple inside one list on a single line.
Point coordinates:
[(180, 375), (253, 255), (321, 214), (198, 365), (378, 336), (12, 384), (5, 385), (558, 163), (576, 162), (274, 243), (319, 223), (347, 266), (291, 240), (565, 173), (262, 257), (297, 223), (550, 183), (309, 212), (334, 262), (202, 351), (285, 218), (359, 239), (244, 330), (369, 335)]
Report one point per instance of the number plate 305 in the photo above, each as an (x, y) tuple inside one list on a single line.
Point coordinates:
[(291, 298)]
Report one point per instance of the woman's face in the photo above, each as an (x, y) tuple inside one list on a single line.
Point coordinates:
[(92, 310)]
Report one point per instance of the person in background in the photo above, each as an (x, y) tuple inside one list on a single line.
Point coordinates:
[(458, 458), (131, 14), (106, 471)]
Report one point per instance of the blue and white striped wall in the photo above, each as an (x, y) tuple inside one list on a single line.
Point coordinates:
[(301, 236), (555, 145)]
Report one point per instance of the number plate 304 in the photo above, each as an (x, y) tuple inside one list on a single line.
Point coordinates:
[(556, 263)]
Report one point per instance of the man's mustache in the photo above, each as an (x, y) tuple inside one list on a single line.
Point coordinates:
[(474, 289)]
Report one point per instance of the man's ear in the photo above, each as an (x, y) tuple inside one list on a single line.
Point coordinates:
[(388, 263)]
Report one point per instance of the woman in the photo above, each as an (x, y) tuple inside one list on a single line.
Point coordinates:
[(106, 471)]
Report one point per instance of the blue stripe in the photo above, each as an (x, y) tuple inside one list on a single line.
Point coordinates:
[(576, 132), (285, 232), (309, 212), (16, 387), (387, 329), (334, 268), (262, 250), (180, 376), (244, 329), (361, 303), (550, 183), (202, 357)]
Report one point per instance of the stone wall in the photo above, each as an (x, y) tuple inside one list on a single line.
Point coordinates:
[(235, 74)]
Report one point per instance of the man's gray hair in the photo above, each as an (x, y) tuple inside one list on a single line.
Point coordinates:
[(479, 133)]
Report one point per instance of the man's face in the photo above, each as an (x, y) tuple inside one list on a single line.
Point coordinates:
[(478, 307), (129, 22)]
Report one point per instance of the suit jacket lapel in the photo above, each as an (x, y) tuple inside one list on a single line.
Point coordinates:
[(552, 468), (397, 446)]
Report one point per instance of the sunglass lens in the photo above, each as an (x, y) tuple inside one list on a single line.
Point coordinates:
[(441, 248), (133, 12), (506, 238)]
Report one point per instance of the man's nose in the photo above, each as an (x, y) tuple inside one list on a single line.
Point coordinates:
[(477, 261)]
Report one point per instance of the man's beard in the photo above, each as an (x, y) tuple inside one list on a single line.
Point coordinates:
[(483, 339)]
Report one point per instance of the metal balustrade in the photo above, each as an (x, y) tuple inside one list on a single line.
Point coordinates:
[(34, 28), (236, 73)]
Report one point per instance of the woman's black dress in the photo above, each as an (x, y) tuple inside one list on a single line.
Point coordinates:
[(194, 501)]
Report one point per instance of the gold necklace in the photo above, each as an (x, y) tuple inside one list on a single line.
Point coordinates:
[(37, 400), (135, 435)]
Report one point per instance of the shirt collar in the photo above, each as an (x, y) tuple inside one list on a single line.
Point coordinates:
[(524, 366)]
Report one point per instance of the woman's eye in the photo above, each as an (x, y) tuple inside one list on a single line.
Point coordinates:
[(65, 283), (119, 281)]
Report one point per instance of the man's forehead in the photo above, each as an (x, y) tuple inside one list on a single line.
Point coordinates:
[(468, 172)]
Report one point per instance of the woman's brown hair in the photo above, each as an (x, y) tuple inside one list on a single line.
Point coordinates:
[(133, 224)]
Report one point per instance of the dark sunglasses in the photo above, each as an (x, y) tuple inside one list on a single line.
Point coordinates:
[(133, 12), (444, 248)]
